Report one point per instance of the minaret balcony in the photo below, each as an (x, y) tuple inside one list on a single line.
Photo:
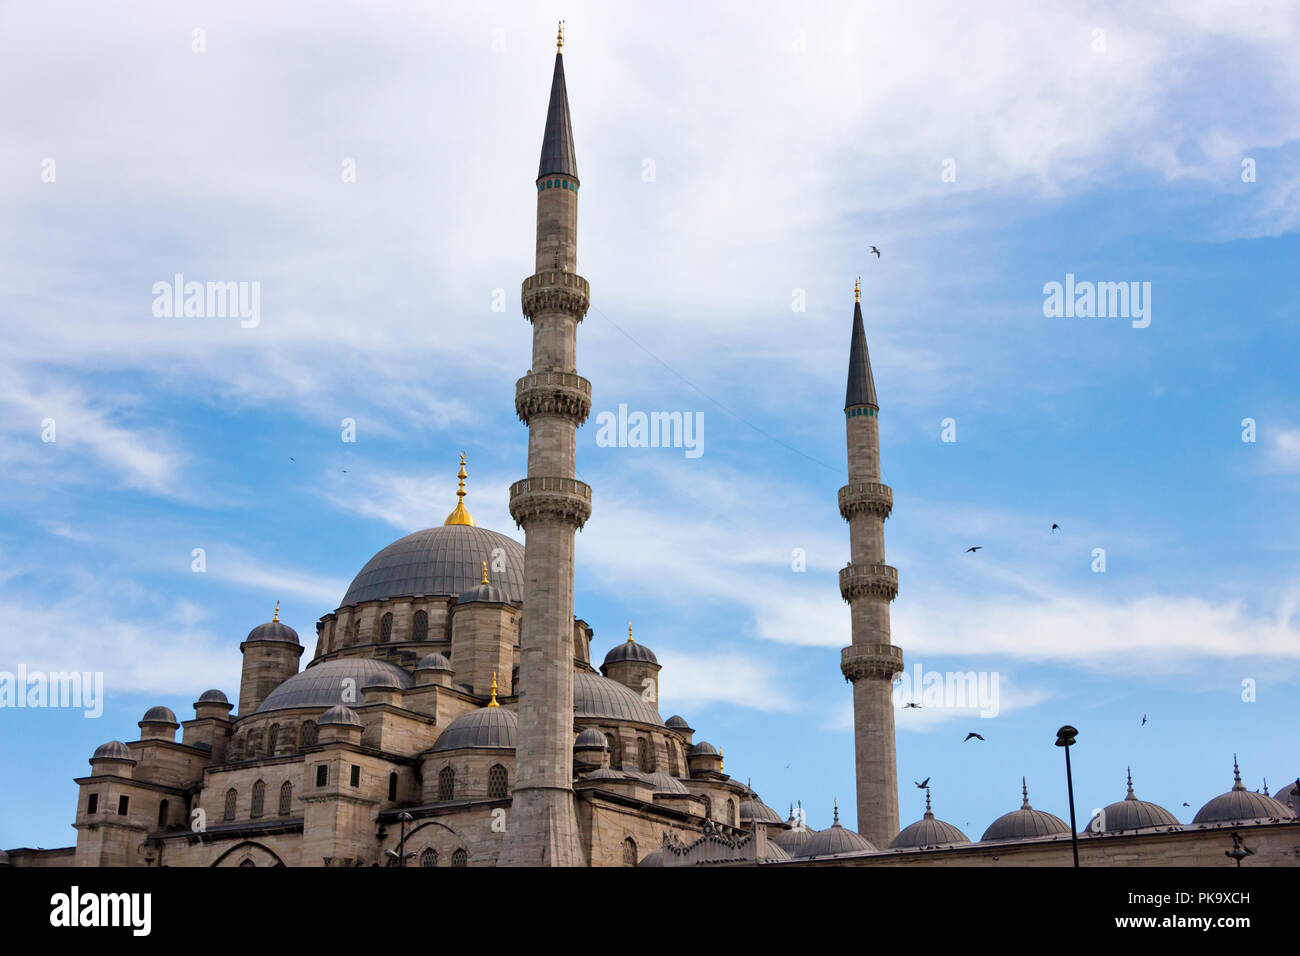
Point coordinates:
[(878, 661), (563, 499), (556, 291), (868, 580), (866, 497), (553, 393)]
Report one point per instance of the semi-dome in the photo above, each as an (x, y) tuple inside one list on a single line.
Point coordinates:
[(927, 831), (339, 714), (158, 715), (1289, 796), (445, 561), (487, 728), (835, 839), (113, 750), (434, 662), (591, 739), (677, 722), (322, 685), (213, 696), (754, 810), (1240, 805), (1024, 823), (1131, 814), (601, 698), (630, 650)]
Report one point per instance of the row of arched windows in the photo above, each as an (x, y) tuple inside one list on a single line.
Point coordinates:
[(430, 857), (257, 808), (498, 783), (250, 746), (645, 754), (351, 634)]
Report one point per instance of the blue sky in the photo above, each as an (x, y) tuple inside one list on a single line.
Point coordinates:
[(782, 144)]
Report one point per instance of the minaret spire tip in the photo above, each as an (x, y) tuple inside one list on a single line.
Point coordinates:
[(493, 701), (559, 38), (275, 618), (460, 515), (857, 289)]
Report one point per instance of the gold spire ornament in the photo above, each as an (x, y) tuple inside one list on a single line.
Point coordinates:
[(276, 618), (460, 515), (857, 289), (629, 632), (493, 701), (485, 580), (559, 37)]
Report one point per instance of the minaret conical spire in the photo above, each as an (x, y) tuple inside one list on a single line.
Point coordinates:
[(862, 387), (557, 142)]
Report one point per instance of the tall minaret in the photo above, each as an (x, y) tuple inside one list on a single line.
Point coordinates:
[(550, 505), (868, 584)]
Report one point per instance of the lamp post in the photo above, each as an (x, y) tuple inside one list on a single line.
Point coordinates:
[(401, 856), (1064, 738)]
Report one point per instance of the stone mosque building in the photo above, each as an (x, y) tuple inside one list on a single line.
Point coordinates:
[(451, 713)]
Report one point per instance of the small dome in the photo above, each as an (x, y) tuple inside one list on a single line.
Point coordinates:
[(113, 750), (434, 662), (322, 685), (1289, 796), (213, 696), (655, 858), (1024, 823), (677, 722), (775, 852), (927, 831), (630, 650), (754, 810), (704, 749), (606, 773), (159, 715), (835, 839), (794, 840), (591, 739), (273, 630), (600, 698), (386, 681), (1239, 805), (338, 714), (662, 782), (486, 728), (1132, 814), (483, 594)]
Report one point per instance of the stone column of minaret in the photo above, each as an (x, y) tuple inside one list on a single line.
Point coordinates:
[(550, 505), (868, 585)]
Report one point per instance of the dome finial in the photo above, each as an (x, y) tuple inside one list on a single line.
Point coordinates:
[(275, 618), (837, 813), (559, 37), (929, 814), (1236, 775), (460, 515), (857, 289), (493, 701), (1024, 788), (629, 632), (1130, 795), (1266, 786), (485, 580)]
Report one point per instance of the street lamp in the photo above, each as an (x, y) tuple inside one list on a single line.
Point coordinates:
[(1064, 738), (401, 856)]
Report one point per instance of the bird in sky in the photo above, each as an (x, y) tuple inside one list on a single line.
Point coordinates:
[(1144, 720), (912, 704), (978, 547), (291, 458), (1055, 526), (923, 784), (876, 251), (1186, 804), (972, 734)]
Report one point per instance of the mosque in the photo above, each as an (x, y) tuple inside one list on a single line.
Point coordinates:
[(451, 713)]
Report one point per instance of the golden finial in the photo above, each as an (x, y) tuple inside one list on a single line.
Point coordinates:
[(460, 515), (857, 289), (493, 701), (559, 37), (276, 618), (485, 580), (629, 632)]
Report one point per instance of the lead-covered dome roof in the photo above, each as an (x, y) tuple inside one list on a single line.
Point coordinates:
[(599, 697), (443, 561), (1131, 814), (1024, 823), (754, 810), (275, 630), (321, 685), (113, 750), (630, 650), (1239, 805), (927, 831), (490, 728)]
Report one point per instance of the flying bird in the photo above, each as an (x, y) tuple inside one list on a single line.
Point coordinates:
[(912, 704), (978, 547), (291, 458), (1144, 720), (972, 734), (1055, 526), (1186, 804), (923, 784), (876, 251)]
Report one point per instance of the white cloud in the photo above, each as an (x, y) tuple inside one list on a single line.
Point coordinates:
[(691, 680)]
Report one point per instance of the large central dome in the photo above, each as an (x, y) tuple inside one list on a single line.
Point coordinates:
[(441, 561)]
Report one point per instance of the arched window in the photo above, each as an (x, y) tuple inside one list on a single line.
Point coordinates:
[(392, 786), (420, 628), (615, 760), (259, 798), (629, 852), (229, 813), (498, 782), (309, 733), (460, 858), (356, 631), (248, 862), (643, 755), (672, 757), (272, 738), (429, 857), (162, 814), (385, 628), (286, 798), (708, 810), (731, 812), (254, 745), (446, 784)]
